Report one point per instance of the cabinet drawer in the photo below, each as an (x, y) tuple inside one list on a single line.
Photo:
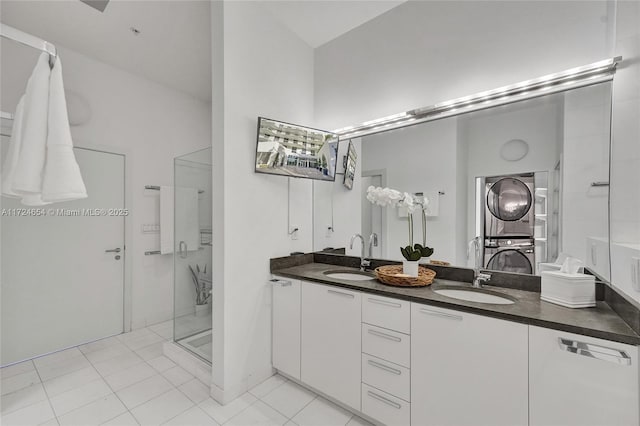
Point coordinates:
[(386, 312), (386, 376), (385, 408), (386, 344)]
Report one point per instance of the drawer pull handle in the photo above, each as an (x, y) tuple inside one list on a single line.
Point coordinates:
[(384, 367), (441, 314), (383, 399), (385, 303), (594, 351), (283, 283), (341, 293), (384, 335)]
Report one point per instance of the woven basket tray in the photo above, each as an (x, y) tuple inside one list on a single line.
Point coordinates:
[(392, 275)]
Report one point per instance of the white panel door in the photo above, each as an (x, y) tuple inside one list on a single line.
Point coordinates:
[(60, 287), (331, 348), (580, 381), (467, 370)]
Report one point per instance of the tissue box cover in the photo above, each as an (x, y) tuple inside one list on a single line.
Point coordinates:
[(548, 267), (570, 290)]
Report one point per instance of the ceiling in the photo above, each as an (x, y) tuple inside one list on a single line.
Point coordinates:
[(173, 47), (174, 44), (318, 22)]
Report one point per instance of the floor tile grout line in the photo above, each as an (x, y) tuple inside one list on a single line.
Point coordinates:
[(46, 394), (297, 412), (182, 412), (260, 397), (119, 399), (238, 413)]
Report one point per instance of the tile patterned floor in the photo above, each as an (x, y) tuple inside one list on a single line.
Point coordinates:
[(125, 380)]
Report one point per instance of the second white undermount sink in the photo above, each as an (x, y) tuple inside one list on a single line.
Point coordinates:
[(349, 276), (478, 296)]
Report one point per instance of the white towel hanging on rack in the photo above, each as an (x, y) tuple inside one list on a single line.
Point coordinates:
[(27, 179), (62, 180)]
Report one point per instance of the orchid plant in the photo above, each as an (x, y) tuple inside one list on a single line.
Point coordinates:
[(387, 197)]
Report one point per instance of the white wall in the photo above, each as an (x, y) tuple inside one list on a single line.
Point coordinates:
[(625, 153), (148, 122), (420, 158), (420, 53), (267, 71)]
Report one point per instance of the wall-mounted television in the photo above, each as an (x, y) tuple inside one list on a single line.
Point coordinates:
[(291, 150), (350, 166)]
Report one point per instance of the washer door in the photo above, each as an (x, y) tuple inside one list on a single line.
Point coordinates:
[(509, 199), (510, 260)]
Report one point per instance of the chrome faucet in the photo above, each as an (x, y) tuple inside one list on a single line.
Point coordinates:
[(363, 262), (373, 242), (479, 278)]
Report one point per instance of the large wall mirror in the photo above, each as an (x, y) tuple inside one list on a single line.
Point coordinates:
[(529, 178)]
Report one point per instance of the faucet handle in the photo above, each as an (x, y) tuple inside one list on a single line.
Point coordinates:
[(365, 262)]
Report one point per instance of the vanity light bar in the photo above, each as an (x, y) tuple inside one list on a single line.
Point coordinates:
[(596, 72)]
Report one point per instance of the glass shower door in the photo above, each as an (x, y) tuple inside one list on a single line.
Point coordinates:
[(192, 253)]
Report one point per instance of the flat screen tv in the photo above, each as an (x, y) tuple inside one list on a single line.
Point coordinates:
[(291, 150), (350, 166)]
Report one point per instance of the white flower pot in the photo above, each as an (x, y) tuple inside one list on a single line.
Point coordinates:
[(410, 267), (203, 310), (425, 259)]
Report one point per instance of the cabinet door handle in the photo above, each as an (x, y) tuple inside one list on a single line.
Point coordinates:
[(341, 293), (441, 314), (589, 350), (384, 367), (383, 399), (384, 335), (283, 283), (385, 303)]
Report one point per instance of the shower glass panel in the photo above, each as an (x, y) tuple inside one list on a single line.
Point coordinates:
[(192, 253)]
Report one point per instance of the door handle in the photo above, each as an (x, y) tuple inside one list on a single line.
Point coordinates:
[(283, 283), (594, 351), (384, 335), (181, 252), (115, 250)]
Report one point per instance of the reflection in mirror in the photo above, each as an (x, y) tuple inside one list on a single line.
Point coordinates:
[(529, 178)]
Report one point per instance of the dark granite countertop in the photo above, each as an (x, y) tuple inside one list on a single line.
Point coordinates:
[(600, 321)]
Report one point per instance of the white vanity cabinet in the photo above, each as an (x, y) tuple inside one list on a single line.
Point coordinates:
[(467, 369), (331, 345), (579, 380), (285, 325)]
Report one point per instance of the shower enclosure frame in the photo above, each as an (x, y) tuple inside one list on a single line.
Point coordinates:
[(191, 331)]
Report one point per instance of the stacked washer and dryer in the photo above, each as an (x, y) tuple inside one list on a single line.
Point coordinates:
[(509, 223)]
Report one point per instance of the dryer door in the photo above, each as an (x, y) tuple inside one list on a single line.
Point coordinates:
[(510, 260), (509, 199)]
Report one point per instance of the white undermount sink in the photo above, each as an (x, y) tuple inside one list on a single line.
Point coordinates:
[(349, 275), (478, 296)]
